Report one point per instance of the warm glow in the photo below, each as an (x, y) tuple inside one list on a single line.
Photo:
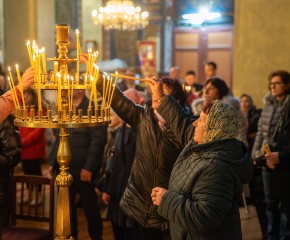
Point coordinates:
[(55, 63), (9, 69), (116, 73), (17, 66), (137, 16), (58, 75), (126, 16), (100, 16), (43, 49), (33, 43), (94, 13), (138, 9), (68, 76), (28, 43), (72, 78), (95, 65), (8, 79), (33, 56), (77, 32), (114, 16)]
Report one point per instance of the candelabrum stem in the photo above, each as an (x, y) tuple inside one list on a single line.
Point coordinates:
[(63, 180)]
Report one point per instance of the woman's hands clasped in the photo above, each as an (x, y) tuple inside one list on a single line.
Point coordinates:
[(157, 194)]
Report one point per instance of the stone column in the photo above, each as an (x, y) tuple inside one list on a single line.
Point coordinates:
[(261, 45)]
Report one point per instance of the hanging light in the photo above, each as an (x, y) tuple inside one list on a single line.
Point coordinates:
[(120, 15)]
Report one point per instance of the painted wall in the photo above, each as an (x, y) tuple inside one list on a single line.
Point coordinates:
[(261, 45)]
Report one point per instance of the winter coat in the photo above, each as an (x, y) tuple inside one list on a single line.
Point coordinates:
[(206, 183), (197, 109), (10, 156), (281, 179), (272, 111), (32, 141), (253, 116), (86, 145), (156, 153)]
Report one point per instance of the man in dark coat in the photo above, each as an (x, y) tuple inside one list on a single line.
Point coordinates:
[(87, 146)]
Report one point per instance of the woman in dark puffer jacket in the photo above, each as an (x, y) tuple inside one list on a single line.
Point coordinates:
[(10, 156), (206, 183)]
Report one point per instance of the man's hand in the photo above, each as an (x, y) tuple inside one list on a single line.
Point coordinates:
[(84, 58), (86, 175), (27, 78), (106, 198), (157, 194), (156, 86), (273, 157), (98, 192)]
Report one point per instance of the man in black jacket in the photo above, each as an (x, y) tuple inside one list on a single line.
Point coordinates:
[(10, 156), (87, 146)]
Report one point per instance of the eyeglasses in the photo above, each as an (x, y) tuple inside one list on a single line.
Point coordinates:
[(276, 83)]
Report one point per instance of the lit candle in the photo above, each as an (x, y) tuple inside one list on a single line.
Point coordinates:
[(78, 51), (95, 91), (78, 42), (20, 85), (29, 52), (59, 91), (38, 88), (89, 61), (72, 91), (43, 60), (9, 69), (12, 92), (34, 47)]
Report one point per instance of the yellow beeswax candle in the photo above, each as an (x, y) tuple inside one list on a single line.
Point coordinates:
[(29, 52), (89, 60), (43, 60), (78, 51), (55, 69), (38, 87), (72, 91), (59, 91), (68, 83), (92, 92), (12, 81), (12, 92), (20, 85), (104, 86)]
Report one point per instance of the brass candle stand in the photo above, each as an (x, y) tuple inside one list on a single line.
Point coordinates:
[(66, 117)]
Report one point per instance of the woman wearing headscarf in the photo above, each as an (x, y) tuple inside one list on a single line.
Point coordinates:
[(206, 183)]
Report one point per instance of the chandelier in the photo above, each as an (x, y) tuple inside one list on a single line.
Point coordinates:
[(120, 15)]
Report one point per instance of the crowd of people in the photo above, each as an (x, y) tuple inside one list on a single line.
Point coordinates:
[(173, 162)]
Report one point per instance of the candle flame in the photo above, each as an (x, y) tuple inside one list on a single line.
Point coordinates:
[(9, 69), (58, 75), (8, 79), (104, 76), (95, 65), (55, 63), (116, 73), (89, 50), (33, 56), (33, 43), (68, 76), (28, 43), (97, 53), (72, 78), (40, 51), (77, 31), (17, 66), (43, 50)]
